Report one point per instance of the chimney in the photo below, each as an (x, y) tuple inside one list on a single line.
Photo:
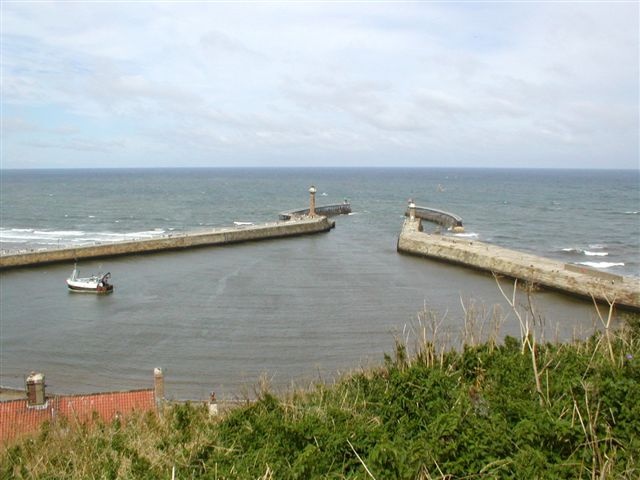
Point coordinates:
[(312, 201), (35, 390), (158, 383)]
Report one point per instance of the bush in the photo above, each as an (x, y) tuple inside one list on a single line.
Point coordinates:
[(476, 412)]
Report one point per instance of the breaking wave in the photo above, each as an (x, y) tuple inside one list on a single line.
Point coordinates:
[(588, 253), (602, 264), (70, 237), (466, 235)]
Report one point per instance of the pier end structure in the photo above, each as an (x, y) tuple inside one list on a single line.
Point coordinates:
[(214, 237), (576, 280), (446, 219), (343, 208)]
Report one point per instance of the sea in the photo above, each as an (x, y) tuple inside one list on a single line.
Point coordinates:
[(286, 313)]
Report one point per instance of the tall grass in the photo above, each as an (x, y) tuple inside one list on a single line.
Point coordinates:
[(439, 406)]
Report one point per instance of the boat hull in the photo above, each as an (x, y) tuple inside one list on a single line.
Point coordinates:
[(99, 289), (93, 284)]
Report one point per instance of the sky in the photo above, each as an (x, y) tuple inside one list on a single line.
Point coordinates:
[(319, 84)]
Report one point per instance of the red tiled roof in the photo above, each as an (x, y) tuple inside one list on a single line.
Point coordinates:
[(17, 418), (107, 405)]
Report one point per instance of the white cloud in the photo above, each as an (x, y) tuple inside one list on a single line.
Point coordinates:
[(454, 81)]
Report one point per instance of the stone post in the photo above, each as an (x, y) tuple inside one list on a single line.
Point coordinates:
[(213, 405), (158, 384)]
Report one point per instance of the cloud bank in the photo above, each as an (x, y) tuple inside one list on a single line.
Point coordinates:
[(320, 84)]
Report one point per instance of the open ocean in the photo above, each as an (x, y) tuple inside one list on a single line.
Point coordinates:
[(292, 310)]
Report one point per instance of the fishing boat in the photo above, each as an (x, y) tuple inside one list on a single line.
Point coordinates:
[(93, 284)]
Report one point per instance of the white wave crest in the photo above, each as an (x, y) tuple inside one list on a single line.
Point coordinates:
[(75, 237), (59, 233), (466, 235), (145, 234), (602, 264), (27, 234), (588, 253)]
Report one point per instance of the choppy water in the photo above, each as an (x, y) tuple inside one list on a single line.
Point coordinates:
[(295, 309)]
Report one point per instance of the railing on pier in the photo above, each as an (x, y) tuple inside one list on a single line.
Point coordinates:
[(440, 217), (343, 208)]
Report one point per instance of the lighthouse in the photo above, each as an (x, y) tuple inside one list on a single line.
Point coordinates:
[(312, 201)]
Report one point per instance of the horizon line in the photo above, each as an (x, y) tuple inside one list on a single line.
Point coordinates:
[(306, 167)]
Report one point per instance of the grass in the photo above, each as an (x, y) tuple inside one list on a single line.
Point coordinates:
[(519, 408)]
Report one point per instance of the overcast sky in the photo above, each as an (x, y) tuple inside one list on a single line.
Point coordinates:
[(133, 84)]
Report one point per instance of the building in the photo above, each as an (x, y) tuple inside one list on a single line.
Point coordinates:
[(26, 415)]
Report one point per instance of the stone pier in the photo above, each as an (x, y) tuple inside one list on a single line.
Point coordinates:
[(573, 279), (214, 237), (446, 219), (343, 208)]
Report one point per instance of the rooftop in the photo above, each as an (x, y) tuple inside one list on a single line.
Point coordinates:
[(17, 417)]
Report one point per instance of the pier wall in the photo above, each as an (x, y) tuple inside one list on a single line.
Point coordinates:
[(434, 215), (556, 275), (224, 236), (327, 211)]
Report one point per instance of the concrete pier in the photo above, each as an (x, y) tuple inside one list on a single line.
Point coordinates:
[(553, 274), (446, 219), (326, 210), (297, 227)]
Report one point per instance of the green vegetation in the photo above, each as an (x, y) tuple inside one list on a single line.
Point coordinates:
[(518, 409)]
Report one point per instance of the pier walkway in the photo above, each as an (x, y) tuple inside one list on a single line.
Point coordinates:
[(553, 274), (326, 210), (446, 219), (223, 236)]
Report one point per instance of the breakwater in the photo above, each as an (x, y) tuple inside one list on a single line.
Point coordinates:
[(553, 274), (223, 236), (343, 208), (446, 219)]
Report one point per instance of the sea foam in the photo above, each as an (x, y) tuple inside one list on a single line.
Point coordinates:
[(466, 235), (61, 237), (602, 264), (588, 253)]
